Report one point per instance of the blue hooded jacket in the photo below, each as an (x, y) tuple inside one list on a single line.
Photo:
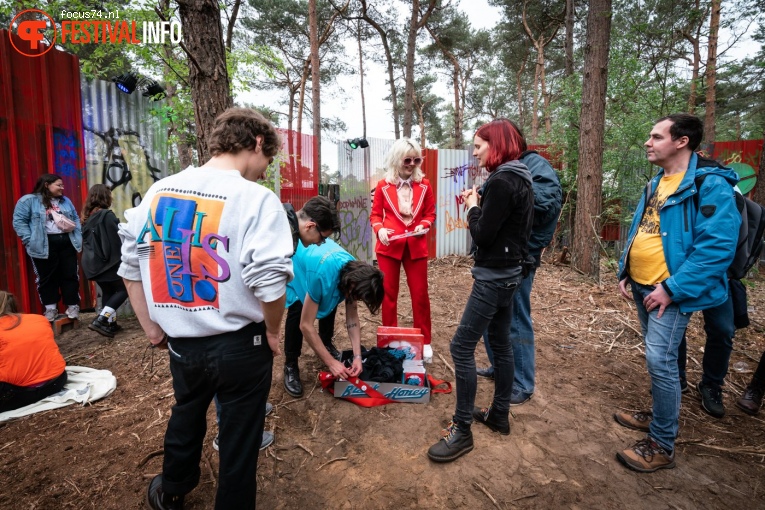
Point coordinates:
[(699, 240)]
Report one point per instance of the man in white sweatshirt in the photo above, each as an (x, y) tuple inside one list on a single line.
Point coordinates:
[(206, 260)]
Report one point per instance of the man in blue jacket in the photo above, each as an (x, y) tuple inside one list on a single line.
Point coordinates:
[(548, 197), (678, 250)]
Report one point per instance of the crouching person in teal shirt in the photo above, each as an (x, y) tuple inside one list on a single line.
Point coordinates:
[(325, 276)]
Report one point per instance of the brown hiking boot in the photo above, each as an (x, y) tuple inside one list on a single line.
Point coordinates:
[(646, 456), (750, 401), (638, 421)]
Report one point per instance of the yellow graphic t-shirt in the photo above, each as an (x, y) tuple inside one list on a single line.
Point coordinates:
[(646, 257)]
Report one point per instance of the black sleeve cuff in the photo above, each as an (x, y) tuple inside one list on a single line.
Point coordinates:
[(666, 288)]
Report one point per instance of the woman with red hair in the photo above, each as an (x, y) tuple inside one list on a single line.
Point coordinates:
[(500, 226), (403, 210)]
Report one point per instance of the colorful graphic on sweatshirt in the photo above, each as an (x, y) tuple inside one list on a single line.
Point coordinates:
[(184, 230)]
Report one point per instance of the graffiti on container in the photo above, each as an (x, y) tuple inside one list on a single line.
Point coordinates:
[(459, 173), (356, 232), (354, 203), (119, 159), (66, 148), (453, 224)]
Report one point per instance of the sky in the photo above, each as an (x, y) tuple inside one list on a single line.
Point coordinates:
[(347, 104)]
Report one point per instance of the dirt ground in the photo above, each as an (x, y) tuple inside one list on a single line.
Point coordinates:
[(328, 452)]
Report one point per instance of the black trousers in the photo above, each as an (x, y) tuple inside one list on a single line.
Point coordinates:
[(113, 293), (237, 367), (59, 272), (13, 397), (293, 337)]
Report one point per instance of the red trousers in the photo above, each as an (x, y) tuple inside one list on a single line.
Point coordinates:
[(417, 280)]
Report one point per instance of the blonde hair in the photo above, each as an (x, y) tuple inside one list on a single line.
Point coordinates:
[(395, 156), (9, 307)]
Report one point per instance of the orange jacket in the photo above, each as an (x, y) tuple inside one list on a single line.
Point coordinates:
[(385, 214)]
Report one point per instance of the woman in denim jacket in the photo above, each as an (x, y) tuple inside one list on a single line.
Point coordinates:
[(53, 251)]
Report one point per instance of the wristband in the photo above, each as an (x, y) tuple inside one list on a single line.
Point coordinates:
[(357, 356)]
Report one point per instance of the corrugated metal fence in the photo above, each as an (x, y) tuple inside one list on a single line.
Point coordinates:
[(125, 143)]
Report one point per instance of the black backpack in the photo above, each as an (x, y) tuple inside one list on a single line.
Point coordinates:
[(749, 245)]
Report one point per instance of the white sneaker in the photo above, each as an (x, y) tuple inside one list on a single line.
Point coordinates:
[(73, 312), (427, 353), (51, 314)]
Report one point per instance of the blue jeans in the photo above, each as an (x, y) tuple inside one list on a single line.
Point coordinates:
[(662, 340), (230, 366), (719, 329), (522, 338), (489, 308)]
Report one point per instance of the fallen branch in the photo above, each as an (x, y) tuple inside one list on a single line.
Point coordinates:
[(747, 451), (447, 365), (212, 472), (306, 449), (331, 461), (336, 444), (153, 454), (639, 334), (318, 419), (482, 489), (525, 497)]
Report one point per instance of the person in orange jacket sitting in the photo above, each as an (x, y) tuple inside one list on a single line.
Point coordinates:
[(403, 210), (31, 366)]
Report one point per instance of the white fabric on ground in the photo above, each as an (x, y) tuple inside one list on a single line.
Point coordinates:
[(83, 385)]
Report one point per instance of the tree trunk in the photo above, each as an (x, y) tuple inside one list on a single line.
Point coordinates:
[(568, 43), (409, 73), (539, 43), (361, 82), (586, 251), (315, 84), (415, 24), (389, 60), (519, 90), (208, 76), (535, 102), (458, 113), (694, 38), (711, 73)]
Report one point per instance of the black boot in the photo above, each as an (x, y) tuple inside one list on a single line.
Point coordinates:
[(114, 327), (158, 500), (457, 441), (292, 379), (101, 326), (489, 417)]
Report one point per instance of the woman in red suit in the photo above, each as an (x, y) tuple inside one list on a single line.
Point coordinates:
[(403, 210)]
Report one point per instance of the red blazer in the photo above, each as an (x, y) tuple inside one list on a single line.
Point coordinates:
[(385, 214)]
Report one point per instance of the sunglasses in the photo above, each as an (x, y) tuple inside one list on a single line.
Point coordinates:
[(322, 237), (413, 161)]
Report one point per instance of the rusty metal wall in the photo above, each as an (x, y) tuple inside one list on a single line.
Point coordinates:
[(125, 142)]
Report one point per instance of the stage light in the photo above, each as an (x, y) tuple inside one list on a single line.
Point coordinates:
[(154, 91), (126, 82), (358, 143)]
